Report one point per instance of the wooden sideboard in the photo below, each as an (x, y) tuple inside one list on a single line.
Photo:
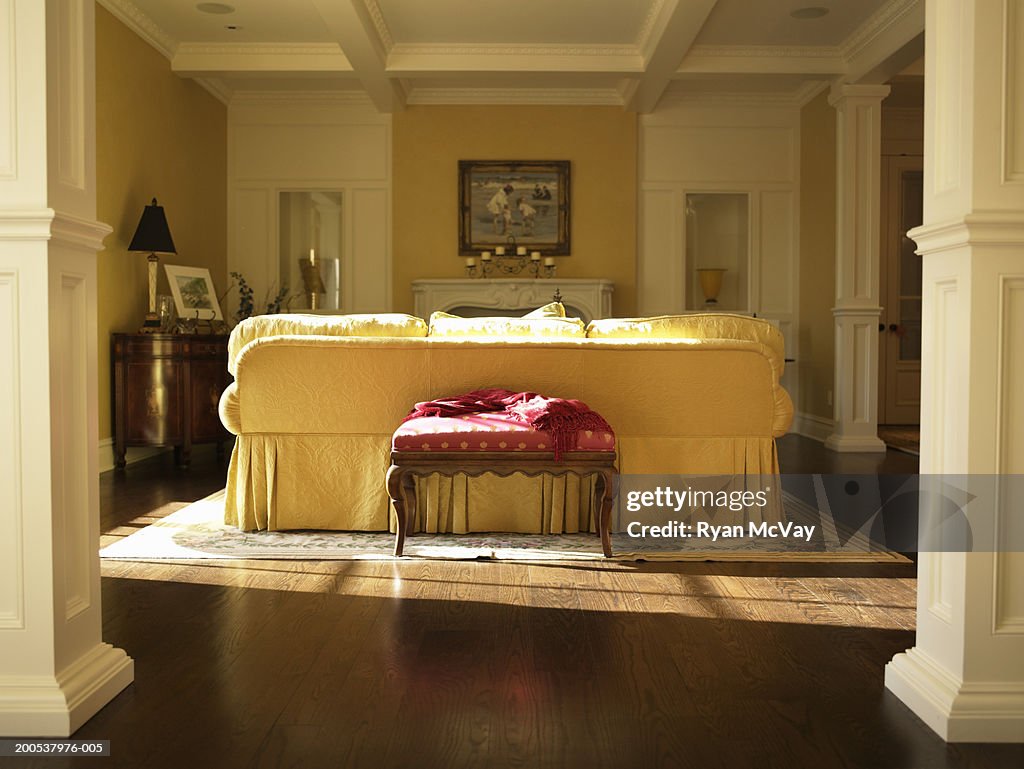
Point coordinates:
[(166, 388)]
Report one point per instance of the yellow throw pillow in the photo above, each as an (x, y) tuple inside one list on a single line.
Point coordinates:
[(551, 310), (443, 324), (389, 324)]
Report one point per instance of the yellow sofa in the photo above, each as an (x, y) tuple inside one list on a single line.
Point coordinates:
[(314, 410)]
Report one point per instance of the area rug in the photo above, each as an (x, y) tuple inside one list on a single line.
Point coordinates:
[(905, 438), (197, 532)]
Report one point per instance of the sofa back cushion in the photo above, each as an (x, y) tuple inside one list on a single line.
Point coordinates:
[(546, 321), (392, 324), (707, 325)]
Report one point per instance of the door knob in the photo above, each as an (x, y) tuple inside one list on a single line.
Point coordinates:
[(881, 327), (893, 327)]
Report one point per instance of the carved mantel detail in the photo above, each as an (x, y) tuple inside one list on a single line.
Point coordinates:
[(590, 297)]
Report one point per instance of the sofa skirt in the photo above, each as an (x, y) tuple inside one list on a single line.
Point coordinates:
[(336, 482)]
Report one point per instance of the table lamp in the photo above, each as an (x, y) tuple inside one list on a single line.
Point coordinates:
[(153, 236)]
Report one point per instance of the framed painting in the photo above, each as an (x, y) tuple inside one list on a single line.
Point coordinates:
[(525, 202), (194, 295)]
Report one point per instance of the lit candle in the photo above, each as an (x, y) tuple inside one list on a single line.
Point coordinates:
[(470, 261), (535, 256), (499, 251), (485, 256), (549, 261), (521, 251), (312, 256)]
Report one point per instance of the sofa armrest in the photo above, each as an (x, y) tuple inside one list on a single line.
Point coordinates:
[(782, 416), (230, 410)]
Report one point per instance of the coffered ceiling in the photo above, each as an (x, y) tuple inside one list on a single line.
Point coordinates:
[(631, 53)]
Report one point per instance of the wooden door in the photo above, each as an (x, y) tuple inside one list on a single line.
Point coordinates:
[(899, 348)]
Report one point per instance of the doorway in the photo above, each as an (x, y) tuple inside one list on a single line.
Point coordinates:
[(899, 347)]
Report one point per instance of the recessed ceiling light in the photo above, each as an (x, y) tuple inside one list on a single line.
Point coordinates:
[(810, 12), (218, 8)]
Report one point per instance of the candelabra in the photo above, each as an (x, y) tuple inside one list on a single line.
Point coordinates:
[(510, 260)]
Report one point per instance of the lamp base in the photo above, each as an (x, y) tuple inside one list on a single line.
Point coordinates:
[(151, 325)]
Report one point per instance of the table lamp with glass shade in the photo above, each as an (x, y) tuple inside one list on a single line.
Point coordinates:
[(152, 236)]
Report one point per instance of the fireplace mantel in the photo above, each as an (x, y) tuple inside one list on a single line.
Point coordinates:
[(590, 297)]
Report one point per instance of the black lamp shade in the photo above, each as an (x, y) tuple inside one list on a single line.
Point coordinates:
[(152, 235)]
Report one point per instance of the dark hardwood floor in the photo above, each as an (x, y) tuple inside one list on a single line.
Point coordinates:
[(465, 664)]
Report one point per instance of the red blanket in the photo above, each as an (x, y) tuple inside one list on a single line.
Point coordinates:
[(562, 418)]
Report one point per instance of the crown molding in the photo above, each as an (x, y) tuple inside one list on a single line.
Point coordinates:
[(216, 87), (766, 51), (260, 49), (304, 98), (530, 49), (793, 99), (517, 96), (377, 18), (133, 17), (876, 24)]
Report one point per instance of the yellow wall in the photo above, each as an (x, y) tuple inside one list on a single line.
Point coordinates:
[(157, 135), (817, 255), (600, 143)]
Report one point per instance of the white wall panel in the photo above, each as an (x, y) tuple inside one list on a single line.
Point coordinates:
[(778, 249), (314, 152), (8, 92), (11, 558), (369, 283), (1009, 601), (723, 153), (71, 482), (660, 280), (1013, 92)]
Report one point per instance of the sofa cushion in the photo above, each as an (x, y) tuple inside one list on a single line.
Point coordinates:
[(706, 325), (443, 324), (486, 432), (391, 324)]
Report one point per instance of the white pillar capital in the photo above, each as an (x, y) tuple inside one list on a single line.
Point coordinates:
[(841, 95)]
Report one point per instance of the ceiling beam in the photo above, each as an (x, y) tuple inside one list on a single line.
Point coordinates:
[(365, 43), (890, 40), (671, 36), (438, 60)]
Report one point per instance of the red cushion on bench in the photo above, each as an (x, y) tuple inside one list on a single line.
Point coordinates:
[(486, 432)]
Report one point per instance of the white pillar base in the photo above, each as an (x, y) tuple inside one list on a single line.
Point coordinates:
[(38, 706), (855, 443), (957, 712)]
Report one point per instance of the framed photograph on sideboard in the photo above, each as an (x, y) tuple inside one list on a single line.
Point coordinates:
[(194, 295)]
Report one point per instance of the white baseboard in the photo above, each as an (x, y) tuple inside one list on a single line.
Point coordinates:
[(131, 456), (811, 426)]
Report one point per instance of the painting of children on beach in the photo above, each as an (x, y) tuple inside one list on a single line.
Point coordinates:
[(521, 202)]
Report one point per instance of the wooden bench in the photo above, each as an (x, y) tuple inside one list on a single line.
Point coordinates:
[(491, 443)]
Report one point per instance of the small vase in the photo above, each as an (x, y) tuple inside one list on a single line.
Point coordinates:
[(710, 283)]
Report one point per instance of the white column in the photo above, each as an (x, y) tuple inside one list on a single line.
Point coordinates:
[(965, 675), (857, 310), (55, 670)]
